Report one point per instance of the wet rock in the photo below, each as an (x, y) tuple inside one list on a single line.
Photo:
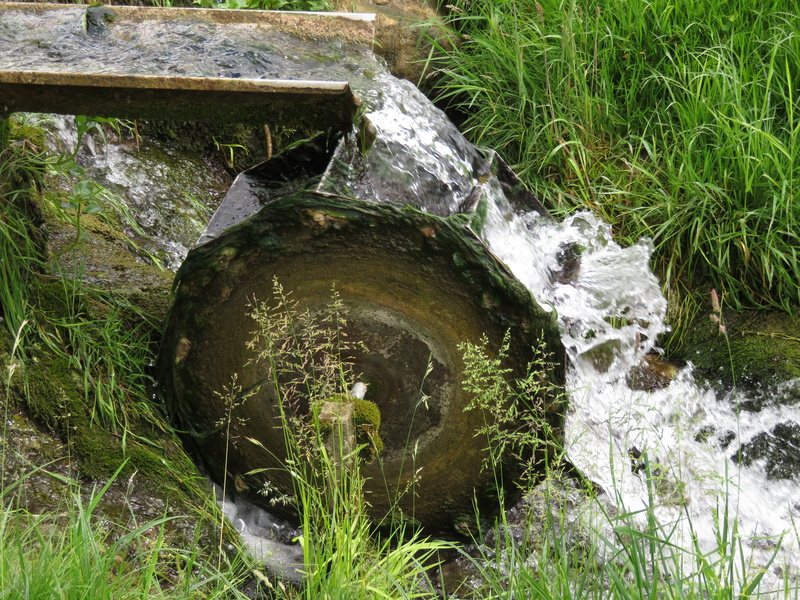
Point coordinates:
[(652, 373), (726, 438), (97, 20), (710, 433), (704, 434), (779, 448), (756, 351), (569, 262), (156, 194), (107, 259)]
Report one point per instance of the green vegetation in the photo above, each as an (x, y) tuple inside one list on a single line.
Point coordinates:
[(266, 4), (75, 358), (101, 338), (591, 552), (80, 553), (673, 120), (366, 420), (79, 356)]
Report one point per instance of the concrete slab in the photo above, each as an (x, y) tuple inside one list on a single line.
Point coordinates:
[(180, 64)]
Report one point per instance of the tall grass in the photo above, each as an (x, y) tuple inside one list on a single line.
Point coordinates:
[(101, 335), (673, 120), (595, 549), (80, 552), (21, 168), (304, 356)]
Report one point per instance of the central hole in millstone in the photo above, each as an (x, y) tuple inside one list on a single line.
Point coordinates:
[(404, 373), (396, 371)]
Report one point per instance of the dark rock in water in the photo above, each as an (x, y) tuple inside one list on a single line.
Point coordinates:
[(638, 464), (722, 438), (704, 434), (98, 19), (652, 373), (756, 351), (569, 261), (726, 438), (780, 447), (414, 287)]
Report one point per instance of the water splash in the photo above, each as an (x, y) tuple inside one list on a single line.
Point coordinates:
[(166, 194), (609, 305), (611, 312)]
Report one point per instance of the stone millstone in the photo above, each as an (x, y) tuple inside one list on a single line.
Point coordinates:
[(414, 287)]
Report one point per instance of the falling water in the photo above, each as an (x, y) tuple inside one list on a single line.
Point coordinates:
[(162, 195), (611, 312)]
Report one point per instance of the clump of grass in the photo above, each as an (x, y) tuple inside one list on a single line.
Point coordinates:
[(106, 341), (516, 424), (101, 336), (80, 553), (22, 166), (673, 121), (305, 355)]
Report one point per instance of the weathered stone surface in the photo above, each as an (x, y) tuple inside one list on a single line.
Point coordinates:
[(102, 86), (652, 373), (414, 286)]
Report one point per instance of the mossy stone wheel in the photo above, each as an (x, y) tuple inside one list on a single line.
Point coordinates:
[(414, 287)]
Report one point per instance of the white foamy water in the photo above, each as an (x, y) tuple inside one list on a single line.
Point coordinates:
[(168, 193), (610, 310)]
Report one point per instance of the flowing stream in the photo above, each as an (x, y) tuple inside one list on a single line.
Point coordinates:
[(611, 312), (607, 301)]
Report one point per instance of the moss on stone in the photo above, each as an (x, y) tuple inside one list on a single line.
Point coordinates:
[(105, 257), (50, 299), (31, 135), (56, 400), (51, 390), (5, 132), (753, 349), (366, 420)]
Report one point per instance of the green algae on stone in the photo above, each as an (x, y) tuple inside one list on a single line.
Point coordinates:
[(53, 396), (751, 350), (5, 132), (366, 420)]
